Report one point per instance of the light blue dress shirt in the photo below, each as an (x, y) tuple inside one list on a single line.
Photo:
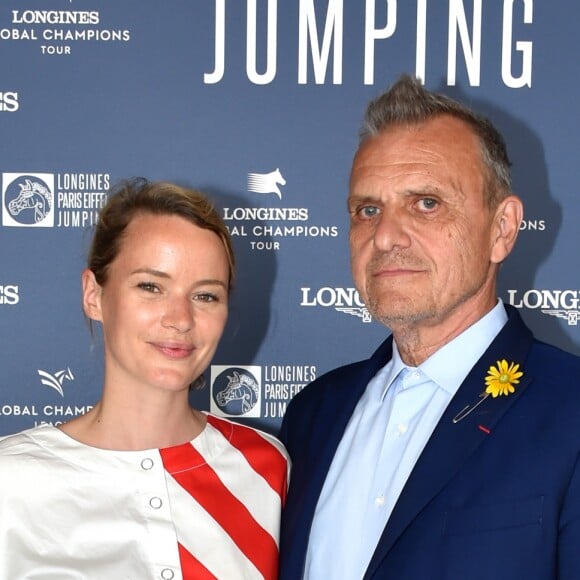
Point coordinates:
[(387, 432)]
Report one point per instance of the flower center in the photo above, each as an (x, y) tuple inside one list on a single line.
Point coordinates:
[(504, 378)]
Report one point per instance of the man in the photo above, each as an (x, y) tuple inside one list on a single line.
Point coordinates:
[(452, 453)]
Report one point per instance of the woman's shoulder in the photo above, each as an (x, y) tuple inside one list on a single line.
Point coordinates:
[(25, 460), (246, 437), (261, 453), (25, 441)]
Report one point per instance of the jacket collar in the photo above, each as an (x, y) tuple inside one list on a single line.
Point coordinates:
[(453, 443)]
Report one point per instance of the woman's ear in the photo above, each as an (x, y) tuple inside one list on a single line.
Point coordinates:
[(91, 296), (507, 220)]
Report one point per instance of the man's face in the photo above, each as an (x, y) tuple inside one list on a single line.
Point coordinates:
[(421, 236)]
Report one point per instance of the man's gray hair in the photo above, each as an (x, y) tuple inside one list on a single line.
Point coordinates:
[(407, 102)]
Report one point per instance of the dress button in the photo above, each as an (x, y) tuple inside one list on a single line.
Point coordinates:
[(167, 573), (155, 502), (147, 464)]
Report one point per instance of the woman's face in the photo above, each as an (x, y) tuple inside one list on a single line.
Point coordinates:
[(164, 305)]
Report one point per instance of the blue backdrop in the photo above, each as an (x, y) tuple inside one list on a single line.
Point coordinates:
[(258, 103)]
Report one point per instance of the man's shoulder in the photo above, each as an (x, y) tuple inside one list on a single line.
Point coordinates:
[(331, 398), (323, 406), (345, 378), (333, 380), (540, 352), (552, 376), (552, 363), (540, 359)]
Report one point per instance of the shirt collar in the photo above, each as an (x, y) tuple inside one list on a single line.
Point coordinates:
[(391, 370), (449, 366)]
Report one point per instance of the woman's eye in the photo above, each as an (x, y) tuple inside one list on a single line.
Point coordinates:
[(206, 297), (148, 286)]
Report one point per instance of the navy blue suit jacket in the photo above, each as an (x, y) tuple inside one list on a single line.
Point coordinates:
[(495, 496)]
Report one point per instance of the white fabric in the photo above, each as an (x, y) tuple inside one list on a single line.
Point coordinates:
[(70, 511)]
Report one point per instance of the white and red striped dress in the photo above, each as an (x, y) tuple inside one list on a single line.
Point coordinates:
[(202, 510)]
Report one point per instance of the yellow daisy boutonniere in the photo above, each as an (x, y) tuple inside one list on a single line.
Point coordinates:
[(501, 378), (500, 381)]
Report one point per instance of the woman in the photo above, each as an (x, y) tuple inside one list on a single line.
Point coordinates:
[(143, 486)]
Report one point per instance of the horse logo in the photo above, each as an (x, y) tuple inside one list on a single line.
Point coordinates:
[(33, 196), (56, 381), (28, 200), (236, 391), (266, 182)]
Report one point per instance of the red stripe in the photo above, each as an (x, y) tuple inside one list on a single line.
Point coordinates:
[(191, 568), (263, 457), (232, 515)]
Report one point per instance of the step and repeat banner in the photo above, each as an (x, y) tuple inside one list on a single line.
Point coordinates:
[(258, 103)]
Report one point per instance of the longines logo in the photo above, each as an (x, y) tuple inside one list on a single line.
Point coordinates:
[(563, 304), (266, 227), (54, 17), (236, 391), (57, 32), (345, 300), (266, 182), (9, 102), (9, 294), (533, 225), (257, 391), (45, 200)]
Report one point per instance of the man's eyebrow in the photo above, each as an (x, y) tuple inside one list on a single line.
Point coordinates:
[(358, 198)]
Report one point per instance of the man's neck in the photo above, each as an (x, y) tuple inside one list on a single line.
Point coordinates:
[(416, 342)]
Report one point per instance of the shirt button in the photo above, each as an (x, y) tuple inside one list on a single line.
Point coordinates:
[(147, 464), (380, 501), (402, 428), (155, 502), (167, 573)]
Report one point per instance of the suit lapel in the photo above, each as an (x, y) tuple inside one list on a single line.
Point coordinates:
[(353, 383), (453, 443), (332, 417)]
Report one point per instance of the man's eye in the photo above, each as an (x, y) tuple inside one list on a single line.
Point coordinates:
[(368, 211), (427, 203)]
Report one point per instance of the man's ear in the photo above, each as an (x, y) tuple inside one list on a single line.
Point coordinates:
[(91, 296), (506, 226)]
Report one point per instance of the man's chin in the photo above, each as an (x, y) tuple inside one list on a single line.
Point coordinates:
[(404, 315)]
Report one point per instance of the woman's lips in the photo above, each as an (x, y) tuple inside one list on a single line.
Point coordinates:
[(174, 350)]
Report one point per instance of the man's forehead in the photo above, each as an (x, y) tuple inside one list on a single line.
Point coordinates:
[(441, 140)]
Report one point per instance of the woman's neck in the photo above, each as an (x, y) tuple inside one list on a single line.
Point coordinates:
[(135, 423)]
